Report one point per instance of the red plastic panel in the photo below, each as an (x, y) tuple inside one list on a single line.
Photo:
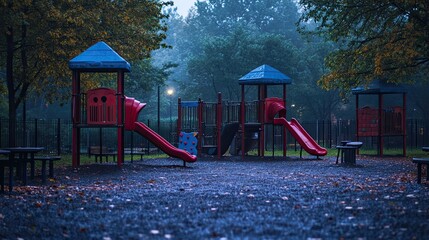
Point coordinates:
[(368, 122), (101, 106), (274, 106), (132, 109)]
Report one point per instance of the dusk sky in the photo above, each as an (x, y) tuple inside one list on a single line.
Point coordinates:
[(183, 6)]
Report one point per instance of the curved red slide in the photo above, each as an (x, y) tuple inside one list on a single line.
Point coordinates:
[(303, 138), (163, 144)]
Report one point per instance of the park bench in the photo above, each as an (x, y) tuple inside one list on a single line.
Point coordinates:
[(347, 152), (134, 151), (101, 152)]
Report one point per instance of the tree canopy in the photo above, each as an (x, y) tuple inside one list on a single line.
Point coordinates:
[(38, 38), (379, 39)]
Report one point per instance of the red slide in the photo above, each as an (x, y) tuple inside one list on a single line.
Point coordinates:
[(303, 138), (163, 144)]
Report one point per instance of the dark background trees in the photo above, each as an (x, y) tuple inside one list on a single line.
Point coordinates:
[(222, 40), (341, 44)]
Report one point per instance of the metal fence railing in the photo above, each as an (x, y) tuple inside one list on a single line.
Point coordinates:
[(55, 134)]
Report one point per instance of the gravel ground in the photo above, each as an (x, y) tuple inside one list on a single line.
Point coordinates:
[(223, 199)]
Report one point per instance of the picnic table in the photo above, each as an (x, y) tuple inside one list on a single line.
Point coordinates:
[(420, 162), (347, 151), (25, 155)]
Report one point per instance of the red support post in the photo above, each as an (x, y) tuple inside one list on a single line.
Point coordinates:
[(242, 120), (404, 125), (120, 112), (260, 116), (380, 124), (261, 98), (219, 124), (357, 120), (284, 128), (76, 108)]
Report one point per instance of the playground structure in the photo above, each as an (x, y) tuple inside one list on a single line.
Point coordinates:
[(381, 122), (240, 125), (216, 124), (107, 108)]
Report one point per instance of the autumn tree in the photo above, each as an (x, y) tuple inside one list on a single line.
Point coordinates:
[(379, 39), (38, 38)]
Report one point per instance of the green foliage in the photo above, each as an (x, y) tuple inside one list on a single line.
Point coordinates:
[(378, 39), (145, 77), (46, 35), (219, 17), (225, 59)]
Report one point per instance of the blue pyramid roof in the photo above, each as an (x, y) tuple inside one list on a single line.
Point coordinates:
[(99, 57), (264, 74)]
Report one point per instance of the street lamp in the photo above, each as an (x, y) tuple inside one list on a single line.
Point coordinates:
[(170, 93)]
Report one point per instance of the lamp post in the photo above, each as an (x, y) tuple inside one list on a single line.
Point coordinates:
[(170, 93)]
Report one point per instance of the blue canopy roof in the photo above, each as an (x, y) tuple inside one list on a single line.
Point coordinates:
[(379, 87), (264, 74), (99, 57)]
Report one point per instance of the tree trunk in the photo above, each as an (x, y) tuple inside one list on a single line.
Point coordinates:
[(10, 86)]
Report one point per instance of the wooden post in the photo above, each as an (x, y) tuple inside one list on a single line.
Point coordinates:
[(76, 119)]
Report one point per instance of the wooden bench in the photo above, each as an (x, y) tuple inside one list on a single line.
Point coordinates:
[(101, 152), (135, 152), (420, 162), (347, 150), (50, 160)]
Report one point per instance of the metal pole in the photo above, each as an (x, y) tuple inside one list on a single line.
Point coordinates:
[(171, 119)]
